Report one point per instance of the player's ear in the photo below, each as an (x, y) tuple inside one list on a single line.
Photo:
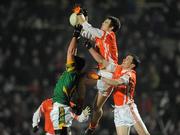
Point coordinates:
[(111, 28), (133, 66)]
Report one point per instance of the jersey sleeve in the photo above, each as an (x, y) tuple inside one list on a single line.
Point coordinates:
[(125, 78), (87, 35), (111, 67), (128, 77), (36, 117), (42, 108), (70, 66), (95, 32)]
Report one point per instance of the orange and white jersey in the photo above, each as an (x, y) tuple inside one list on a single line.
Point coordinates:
[(105, 41), (44, 109), (124, 93), (108, 47)]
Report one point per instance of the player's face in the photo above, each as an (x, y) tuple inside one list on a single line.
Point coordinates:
[(106, 25), (127, 62)]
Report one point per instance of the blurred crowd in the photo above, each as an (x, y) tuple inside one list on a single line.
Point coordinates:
[(33, 41)]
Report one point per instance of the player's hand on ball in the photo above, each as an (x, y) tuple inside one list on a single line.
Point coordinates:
[(86, 111), (81, 18)]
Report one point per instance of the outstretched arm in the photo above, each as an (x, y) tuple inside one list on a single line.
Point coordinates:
[(98, 58), (89, 31), (72, 49), (123, 80)]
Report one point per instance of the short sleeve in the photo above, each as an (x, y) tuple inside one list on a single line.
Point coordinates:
[(70, 66), (111, 67)]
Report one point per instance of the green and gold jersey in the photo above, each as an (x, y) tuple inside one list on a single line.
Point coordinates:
[(66, 85)]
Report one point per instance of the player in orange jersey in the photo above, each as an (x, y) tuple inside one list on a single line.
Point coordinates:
[(104, 38), (105, 42), (123, 79), (45, 109)]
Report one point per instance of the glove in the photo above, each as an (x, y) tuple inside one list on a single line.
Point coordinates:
[(86, 111), (84, 12), (87, 44), (77, 31), (35, 129), (77, 109), (84, 115)]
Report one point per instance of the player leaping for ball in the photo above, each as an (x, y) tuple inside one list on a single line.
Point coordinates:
[(124, 81), (66, 87), (105, 41)]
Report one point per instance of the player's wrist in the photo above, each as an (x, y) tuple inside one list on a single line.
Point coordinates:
[(88, 45), (77, 31)]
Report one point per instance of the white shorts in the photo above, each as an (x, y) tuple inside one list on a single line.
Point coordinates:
[(126, 116), (61, 116), (102, 87)]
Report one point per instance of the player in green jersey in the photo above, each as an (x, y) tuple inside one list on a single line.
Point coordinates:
[(66, 86)]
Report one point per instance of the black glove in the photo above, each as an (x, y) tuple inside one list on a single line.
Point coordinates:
[(77, 109), (84, 12), (35, 129), (77, 31), (88, 44)]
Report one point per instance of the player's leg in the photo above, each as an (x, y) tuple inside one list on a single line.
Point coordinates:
[(139, 124), (97, 113), (141, 128), (97, 108), (123, 130)]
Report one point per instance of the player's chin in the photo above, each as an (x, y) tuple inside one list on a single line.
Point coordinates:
[(102, 28)]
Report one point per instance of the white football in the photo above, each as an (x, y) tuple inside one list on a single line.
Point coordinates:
[(73, 19)]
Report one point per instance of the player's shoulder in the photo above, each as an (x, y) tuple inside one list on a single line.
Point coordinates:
[(47, 101), (110, 35), (131, 73), (46, 104)]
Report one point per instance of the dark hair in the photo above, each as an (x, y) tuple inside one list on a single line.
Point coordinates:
[(79, 62), (136, 61), (115, 23)]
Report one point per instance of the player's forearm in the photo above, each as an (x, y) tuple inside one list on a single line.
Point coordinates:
[(95, 32), (72, 49), (98, 58), (112, 82), (123, 80)]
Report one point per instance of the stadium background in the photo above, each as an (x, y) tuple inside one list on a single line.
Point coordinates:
[(34, 35)]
